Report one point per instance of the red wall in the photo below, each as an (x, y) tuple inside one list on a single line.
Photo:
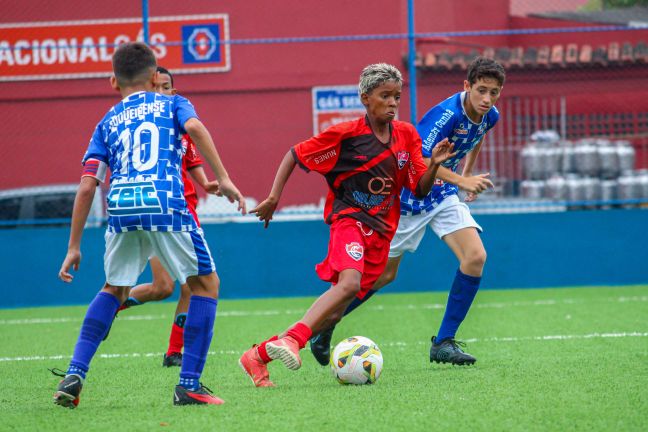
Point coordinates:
[(257, 110)]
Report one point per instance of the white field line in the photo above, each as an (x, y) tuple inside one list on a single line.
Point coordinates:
[(397, 344), (124, 316)]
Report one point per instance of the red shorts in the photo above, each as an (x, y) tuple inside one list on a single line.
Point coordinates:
[(192, 210), (353, 245)]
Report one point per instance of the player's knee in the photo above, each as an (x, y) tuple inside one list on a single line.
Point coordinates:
[(164, 288), (387, 277), (349, 288), (476, 258), (205, 285), (121, 293)]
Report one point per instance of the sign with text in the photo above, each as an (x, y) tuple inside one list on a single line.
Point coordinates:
[(335, 104), (83, 49)]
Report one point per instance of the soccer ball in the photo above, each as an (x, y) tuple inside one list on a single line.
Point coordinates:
[(356, 360)]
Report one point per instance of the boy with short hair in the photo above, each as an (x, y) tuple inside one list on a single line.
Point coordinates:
[(463, 119), (365, 163), (162, 285), (139, 139)]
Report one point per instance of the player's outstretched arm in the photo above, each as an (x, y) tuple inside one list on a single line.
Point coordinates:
[(267, 207), (441, 153), (199, 176), (82, 203), (201, 137), (467, 182)]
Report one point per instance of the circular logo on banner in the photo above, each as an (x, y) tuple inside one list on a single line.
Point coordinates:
[(202, 43)]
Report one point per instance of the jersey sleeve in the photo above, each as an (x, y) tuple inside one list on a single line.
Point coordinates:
[(320, 153), (184, 110), (192, 157), (416, 166), (95, 160), (435, 125)]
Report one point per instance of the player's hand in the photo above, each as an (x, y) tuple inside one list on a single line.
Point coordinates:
[(265, 210), (72, 259), (476, 184), (213, 187), (229, 191), (470, 197), (442, 151)]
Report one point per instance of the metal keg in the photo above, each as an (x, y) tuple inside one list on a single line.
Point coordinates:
[(626, 155), (628, 186), (532, 189), (608, 190), (587, 158), (608, 159), (575, 188), (556, 188), (591, 188), (552, 161), (531, 163), (642, 178), (568, 160)]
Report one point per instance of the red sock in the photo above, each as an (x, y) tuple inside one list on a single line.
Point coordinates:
[(261, 349), (176, 340), (301, 333)]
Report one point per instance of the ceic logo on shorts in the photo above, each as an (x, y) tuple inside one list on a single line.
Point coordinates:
[(402, 157), (355, 250)]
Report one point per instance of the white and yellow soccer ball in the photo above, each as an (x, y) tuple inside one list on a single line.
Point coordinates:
[(356, 360)]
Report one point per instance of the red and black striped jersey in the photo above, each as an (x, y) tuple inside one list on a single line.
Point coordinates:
[(364, 175)]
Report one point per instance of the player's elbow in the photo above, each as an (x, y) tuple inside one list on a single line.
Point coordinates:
[(87, 188), (193, 126)]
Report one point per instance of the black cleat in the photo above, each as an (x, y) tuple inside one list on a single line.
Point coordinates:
[(68, 390), (320, 346), (175, 359), (449, 351), (202, 396)]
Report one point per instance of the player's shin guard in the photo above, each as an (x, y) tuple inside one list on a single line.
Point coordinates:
[(198, 332), (98, 319), (463, 292)]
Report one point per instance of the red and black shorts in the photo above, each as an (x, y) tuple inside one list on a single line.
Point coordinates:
[(353, 245)]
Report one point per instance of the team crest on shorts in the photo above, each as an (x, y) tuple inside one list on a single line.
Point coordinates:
[(402, 157), (355, 250)]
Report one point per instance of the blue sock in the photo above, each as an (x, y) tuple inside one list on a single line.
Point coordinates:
[(98, 319), (357, 302), (198, 332), (463, 292)]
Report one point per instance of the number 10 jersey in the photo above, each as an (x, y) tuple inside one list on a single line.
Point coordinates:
[(140, 141)]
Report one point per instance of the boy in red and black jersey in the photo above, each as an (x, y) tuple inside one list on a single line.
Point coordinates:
[(362, 172), (366, 162)]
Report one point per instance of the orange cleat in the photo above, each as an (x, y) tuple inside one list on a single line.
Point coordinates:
[(285, 349), (254, 367)]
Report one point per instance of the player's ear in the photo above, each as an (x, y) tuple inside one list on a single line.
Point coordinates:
[(364, 98), (466, 85), (113, 83), (174, 91)]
